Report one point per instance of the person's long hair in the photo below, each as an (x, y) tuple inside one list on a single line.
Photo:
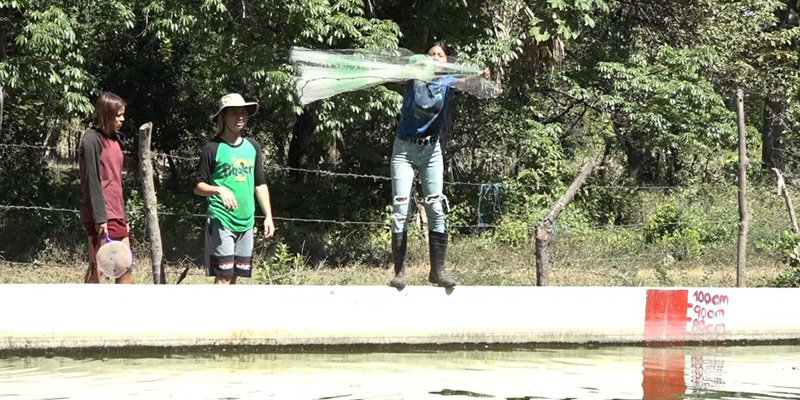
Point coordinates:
[(448, 50), (105, 112), (448, 118)]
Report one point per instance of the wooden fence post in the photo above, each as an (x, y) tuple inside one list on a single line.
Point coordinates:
[(3, 44), (744, 218), (2, 100), (543, 229), (150, 203), (782, 190)]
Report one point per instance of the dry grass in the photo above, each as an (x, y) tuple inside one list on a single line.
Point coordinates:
[(589, 256), (582, 255), (472, 261)]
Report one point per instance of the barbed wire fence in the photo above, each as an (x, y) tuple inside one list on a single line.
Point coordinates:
[(488, 195)]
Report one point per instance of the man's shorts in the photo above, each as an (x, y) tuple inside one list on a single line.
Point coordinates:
[(228, 253)]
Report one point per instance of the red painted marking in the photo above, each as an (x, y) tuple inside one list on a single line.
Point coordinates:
[(663, 373), (665, 314)]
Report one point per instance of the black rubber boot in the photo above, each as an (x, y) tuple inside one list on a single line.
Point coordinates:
[(438, 251), (399, 246)]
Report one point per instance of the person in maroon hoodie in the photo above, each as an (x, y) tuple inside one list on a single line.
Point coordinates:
[(102, 205)]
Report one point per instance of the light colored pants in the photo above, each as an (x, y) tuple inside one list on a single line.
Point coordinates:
[(428, 160)]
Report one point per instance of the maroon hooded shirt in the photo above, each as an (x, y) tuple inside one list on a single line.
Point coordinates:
[(101, 159)]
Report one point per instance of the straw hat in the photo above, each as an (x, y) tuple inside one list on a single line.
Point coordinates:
[(235, 100)]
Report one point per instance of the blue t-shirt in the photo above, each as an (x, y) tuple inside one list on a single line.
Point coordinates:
[(425, 107)]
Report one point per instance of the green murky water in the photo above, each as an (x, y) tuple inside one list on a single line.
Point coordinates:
[(729, 372)]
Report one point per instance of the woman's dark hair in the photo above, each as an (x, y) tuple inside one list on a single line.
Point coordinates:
[(448, 50), (105, 111)]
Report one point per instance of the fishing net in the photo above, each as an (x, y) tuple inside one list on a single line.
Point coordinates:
[(114, 258), (325, 73)]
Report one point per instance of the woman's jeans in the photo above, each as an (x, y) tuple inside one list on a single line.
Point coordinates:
[(428, 160)]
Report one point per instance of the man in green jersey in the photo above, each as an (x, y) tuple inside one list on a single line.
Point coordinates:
[(229, 174)]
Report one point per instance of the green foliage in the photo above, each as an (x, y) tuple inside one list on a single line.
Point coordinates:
[(344, 247), (46, 65), (608, 204), (518, 23), (514, 231), (134, 205), (685, 230), (789, 246), (581, 78), (667, 110), (280, 266), (756, 46), (32, 186)]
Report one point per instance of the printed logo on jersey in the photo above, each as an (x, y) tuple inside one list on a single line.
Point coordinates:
[(240, 168)]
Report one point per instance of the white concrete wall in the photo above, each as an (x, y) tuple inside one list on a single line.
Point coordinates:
[(56, 316)]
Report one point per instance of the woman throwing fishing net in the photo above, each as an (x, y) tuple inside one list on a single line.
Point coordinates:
[(430, 82), (417, 146)]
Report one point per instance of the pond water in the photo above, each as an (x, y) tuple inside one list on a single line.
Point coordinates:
[(726, 372)]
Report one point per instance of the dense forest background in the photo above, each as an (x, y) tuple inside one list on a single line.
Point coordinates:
[(646, 87)]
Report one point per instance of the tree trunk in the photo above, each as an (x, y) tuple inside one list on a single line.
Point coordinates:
[(789, 17), (783, 191), (673, 166), (300, 145), (543, 229), (635, 154), (332, 154), (52, 138), (174, 171), (744, 218), (2, 89), (151, 204), (774, 125), (608, 149), (280, 139)]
